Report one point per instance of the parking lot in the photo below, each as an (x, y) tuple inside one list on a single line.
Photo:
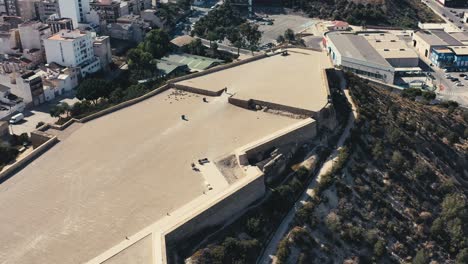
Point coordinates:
[(455, 88), (38, 114), (280, 24)]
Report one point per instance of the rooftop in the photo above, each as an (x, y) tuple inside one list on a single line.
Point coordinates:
[(256, 80), (182, 40), (4, 88), (67, 35), (194, 62), (437, 37), (357, 47), (460, 50)]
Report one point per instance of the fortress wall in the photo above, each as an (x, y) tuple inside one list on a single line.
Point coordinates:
[(227, 207), (293, 135)]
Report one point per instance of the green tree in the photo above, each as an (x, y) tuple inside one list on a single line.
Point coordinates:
[(157, 43), (141, 65), (397, 161), (236, 39), (421, 257), (196, 47), (280, 39), (251, 35), (93, 89), (289, 35), (462, 257), (379, 248)]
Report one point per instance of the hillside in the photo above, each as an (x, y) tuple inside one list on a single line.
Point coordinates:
[(397, 13), (398, 191)]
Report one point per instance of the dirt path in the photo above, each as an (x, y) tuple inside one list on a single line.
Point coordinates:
[(269, 253)]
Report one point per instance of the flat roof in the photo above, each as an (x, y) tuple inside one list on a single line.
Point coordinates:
[(194, 62), (460, 50), (357, 47), (117, 174), (389, 45), (437, 37), (271, 78)]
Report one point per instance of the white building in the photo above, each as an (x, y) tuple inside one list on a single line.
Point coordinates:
[(9, 103), (74, 9), (33, 33), (58, 80), (377, 55), (72, 49), (9, 41), (29, 87)]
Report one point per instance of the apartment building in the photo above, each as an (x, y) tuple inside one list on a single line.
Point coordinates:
[(57, 24), (72, 48), (74, 9), (47, 8), (10, 41), (33, 33)]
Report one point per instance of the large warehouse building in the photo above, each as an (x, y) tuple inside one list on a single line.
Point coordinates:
[(378, 55)]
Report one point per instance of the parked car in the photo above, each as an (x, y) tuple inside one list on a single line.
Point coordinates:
[(466, 77), (448, 76), (462, 75), (16, 118), (459, 84), (455, 79)]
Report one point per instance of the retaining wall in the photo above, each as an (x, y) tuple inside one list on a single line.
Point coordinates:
[(295, 134), (233, 202)]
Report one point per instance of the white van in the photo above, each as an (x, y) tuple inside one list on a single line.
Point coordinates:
[(16, 118)]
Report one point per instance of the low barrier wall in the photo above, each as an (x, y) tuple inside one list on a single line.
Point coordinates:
[(196, 90), (125, 104), (5, 174)]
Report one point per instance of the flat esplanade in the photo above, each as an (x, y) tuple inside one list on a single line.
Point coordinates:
[(295, 80), (119, 173)]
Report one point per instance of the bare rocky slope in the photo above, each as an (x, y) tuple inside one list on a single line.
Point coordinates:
[(398, 192)]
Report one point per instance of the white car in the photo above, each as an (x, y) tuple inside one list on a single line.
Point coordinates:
[(459, 84), (448, 76), (466, 77)]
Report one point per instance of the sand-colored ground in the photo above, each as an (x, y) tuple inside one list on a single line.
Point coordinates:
[(295, 80), (117, 174)]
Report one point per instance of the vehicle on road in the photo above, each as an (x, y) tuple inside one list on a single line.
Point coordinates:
[(16, 118)]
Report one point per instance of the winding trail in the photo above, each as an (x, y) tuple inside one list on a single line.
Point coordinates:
[(270, 249)]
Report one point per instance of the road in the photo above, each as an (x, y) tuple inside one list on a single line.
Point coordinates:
[(269, 253), (441, 10), (227, 48)]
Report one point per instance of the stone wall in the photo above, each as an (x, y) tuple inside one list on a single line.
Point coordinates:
[(229, 206), (293, 136)]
